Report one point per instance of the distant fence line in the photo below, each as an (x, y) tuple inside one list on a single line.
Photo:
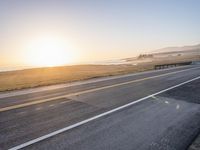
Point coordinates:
[(163, 66)]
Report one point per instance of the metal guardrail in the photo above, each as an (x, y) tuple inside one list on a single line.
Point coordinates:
[(196, 63), (163, 66)]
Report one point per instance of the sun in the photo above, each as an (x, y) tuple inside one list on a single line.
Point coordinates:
[(49, 52)]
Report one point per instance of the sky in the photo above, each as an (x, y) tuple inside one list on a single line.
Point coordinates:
[(95, 30)]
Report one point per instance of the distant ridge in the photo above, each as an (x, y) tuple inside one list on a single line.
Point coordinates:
[(177, 49)]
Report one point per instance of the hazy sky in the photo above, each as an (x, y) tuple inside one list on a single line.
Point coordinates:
[(98, 29)]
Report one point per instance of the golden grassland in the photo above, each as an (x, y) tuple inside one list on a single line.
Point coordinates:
[(47, 76), (29, 78)]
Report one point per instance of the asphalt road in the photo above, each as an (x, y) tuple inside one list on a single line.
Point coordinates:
[(167, 120)]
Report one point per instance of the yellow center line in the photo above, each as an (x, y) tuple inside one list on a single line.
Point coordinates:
[(87, 91)]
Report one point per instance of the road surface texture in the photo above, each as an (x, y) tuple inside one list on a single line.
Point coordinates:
[(156, 110), (196, 144)]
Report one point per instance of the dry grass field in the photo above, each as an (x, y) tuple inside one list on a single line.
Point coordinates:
[(13, 80), (28, 78)]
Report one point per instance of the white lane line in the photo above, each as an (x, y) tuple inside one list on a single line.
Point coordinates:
[(166, 102), (65, 102), (51, 105), (21, 113), (96, 117), (155, 98), (38, 108)]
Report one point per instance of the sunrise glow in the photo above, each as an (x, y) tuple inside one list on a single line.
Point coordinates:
[(48, 52)]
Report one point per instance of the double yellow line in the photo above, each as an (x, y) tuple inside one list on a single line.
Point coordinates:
[(87, 91)]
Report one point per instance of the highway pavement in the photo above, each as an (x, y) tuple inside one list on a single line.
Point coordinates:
[(150, 110)]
